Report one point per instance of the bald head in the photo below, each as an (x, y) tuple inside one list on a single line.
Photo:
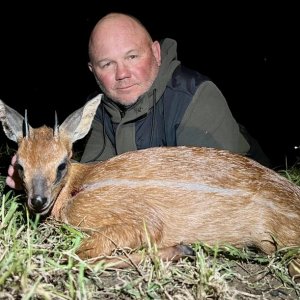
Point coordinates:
[(117, 26), (123, 57)]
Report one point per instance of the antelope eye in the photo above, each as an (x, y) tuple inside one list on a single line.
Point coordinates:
[(61, 171), (20, 169), (62, 167)]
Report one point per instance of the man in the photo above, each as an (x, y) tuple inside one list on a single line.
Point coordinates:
[(151, 99)]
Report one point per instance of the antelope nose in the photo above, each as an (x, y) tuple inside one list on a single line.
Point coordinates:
[(38, 202)]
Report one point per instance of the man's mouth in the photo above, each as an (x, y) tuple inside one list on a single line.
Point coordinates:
[(125, 87)]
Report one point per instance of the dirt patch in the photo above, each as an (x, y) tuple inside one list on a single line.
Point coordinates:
[(235, 280), (254, 281)]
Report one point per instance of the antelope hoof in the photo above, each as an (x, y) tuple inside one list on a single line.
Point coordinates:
[(186, 250)]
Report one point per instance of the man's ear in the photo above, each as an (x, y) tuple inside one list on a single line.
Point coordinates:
[(90, 67), (156, 51)]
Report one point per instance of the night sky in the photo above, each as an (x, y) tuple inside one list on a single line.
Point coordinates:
[(250, 51)]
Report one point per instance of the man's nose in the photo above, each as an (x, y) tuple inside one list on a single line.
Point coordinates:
[(122, 71)]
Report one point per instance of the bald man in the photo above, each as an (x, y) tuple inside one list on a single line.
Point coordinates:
[(151, 99)]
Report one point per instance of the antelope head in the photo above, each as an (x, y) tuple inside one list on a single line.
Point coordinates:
[(43, 156)]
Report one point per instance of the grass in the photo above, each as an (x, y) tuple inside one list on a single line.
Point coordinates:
[(38, 261)]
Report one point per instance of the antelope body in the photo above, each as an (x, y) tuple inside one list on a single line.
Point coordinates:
[(181, 195)]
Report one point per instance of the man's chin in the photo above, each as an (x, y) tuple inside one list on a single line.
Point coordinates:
[(125, 101)]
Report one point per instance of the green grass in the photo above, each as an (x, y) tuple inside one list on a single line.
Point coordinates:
[(38, 261)]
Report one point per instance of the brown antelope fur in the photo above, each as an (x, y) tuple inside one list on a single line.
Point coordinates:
[(181, 195)]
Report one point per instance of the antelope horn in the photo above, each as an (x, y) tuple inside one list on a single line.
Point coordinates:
[(56, 126), (25, 126)]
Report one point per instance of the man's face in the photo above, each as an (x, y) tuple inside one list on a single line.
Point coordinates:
[(125, 64)]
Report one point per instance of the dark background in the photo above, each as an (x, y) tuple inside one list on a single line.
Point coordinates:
[(250, 51)]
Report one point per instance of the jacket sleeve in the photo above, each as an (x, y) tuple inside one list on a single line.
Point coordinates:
[(208, 122)]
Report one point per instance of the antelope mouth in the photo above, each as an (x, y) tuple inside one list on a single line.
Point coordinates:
[(42, 210)]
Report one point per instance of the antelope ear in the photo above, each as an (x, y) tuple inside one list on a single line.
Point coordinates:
[(12, 122), (77, 125)]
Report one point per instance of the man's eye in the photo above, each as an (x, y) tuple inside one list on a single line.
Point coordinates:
[(106, 65), (132, 56)]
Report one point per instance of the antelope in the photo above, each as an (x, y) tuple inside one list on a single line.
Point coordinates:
[(181, 195)]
